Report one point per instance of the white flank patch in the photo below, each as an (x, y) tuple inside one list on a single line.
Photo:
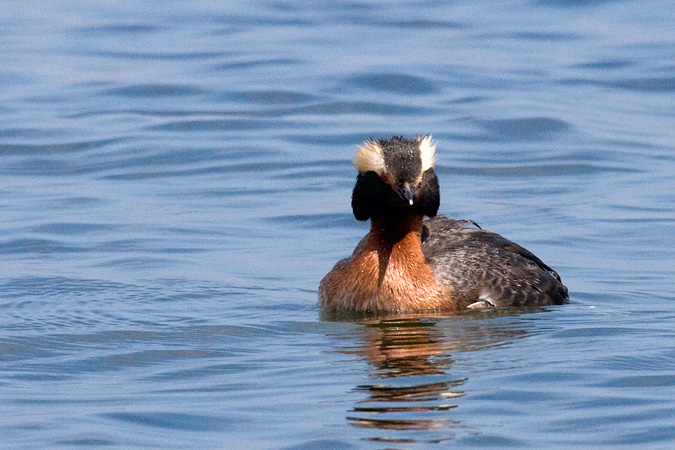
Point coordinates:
[(484, 301), (370, 158), (427, 153), (480, 304)]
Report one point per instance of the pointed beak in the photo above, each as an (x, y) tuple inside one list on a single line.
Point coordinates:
[(406, 191)]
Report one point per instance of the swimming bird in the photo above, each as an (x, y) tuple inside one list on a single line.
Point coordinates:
[(413, 260)]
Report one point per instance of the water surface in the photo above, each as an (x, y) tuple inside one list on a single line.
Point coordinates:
[(176, 180)]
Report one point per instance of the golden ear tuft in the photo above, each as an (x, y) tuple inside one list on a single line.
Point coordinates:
[(427, 153), (370, 158)]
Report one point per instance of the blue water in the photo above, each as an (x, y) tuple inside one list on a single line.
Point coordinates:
[(176, 180)]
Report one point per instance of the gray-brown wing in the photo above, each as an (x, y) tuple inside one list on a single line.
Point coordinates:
[(480, 265)]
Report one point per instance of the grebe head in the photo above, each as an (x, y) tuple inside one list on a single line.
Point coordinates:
[(396, 177)]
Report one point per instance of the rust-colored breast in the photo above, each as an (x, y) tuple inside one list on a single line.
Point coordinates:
[(384, 276)]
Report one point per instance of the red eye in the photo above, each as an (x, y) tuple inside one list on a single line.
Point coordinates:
[(384, 178)]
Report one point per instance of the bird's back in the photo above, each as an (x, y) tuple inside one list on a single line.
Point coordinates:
[(483, 268)]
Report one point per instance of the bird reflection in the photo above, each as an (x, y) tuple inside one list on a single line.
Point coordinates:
[(403, 347), (410, 359), (408, 349)]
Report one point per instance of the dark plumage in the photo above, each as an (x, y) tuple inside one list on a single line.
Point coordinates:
[(483, 265), (407, 263)]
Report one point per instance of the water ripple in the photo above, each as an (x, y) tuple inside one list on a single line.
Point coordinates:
[(174, 421), (154, 90), (650, 84), (394, 82), (527, 128)]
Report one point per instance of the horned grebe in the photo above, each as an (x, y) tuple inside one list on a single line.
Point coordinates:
[(409, 262)]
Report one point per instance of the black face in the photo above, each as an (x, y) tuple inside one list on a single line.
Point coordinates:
[(374, 198)]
